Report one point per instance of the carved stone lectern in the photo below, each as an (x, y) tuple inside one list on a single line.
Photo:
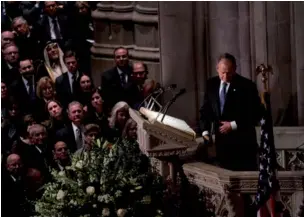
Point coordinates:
[(162, 144)]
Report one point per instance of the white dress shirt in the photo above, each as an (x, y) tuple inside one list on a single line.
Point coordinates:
[(52, 31), (232, 123), (26, 84), (77, 139), (70, 75)]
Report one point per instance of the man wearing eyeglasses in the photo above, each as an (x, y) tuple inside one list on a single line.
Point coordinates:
[(9, 67), (116, 83), (140, 73)]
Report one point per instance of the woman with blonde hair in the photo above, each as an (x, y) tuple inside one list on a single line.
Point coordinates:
[(117, 120), (54, 65), (130, 130), (45, 91)]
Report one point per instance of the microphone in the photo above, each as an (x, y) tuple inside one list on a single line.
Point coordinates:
[(181, 92), (167, 106)]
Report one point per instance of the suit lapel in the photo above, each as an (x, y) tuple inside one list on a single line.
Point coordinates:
[(67, 82), (230, 93), (216, 97)]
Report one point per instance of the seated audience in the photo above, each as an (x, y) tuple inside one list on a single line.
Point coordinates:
[(53, 65), (45, 92), (24, 138), (86, 87), (83, 28), (52, 25), (26, 40), (91, 133), (24, 88), (9, 65), (4, 100), (130, 130), (95, 112), (13, 185), (11, 126), (67, 84), (34, 182), (116, 83), (35, 155), (61, 156), (72, 134), (7, 37), (117, 120)]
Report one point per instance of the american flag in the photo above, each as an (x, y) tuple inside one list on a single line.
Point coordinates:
[(268, 200)]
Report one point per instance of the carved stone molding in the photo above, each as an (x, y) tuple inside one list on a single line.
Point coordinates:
[(132, 12), (287, 137), (135, 52), (226, 190)]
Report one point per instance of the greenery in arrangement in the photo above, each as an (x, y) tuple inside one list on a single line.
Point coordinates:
[(110, 180)]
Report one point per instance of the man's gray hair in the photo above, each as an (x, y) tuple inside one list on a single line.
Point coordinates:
[(74, 103), (20, 19)]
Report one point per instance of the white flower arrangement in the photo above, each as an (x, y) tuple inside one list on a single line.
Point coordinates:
[(109, 180)]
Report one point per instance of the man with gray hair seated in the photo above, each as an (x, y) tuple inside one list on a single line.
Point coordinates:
[(35, 155), (12, 184), (73, 133), (26, 40)]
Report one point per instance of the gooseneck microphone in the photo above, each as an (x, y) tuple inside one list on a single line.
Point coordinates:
[(171, 101)]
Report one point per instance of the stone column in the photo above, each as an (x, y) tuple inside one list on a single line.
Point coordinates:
[(223, 31), (298, 8), (177, 56)]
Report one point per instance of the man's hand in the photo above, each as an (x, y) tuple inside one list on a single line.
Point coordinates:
[(225, 128)]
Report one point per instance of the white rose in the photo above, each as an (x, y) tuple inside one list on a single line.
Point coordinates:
[(121, 212), (90, 190), (105, 212), (60, 195), (61, 173), (79, 164)]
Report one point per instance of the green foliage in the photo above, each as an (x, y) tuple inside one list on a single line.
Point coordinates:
[(109, 180)]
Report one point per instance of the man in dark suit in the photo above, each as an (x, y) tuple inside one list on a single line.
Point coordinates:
[(73, 133), (9, 65), (67, 84), (26, 40), (24, 88), (116, 82), (12, 183), (232, 105), (53, 26), (61, 157)]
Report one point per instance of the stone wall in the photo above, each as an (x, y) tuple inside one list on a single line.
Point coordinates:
[(180, 41), (130, 24)]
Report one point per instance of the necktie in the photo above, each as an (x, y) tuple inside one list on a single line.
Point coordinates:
[(223, 96), (123, 79), (79, 138), (74, 83), (56, 29), (31, 89)]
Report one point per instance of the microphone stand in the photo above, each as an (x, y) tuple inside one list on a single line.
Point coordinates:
[(149, 96), (171, 101)]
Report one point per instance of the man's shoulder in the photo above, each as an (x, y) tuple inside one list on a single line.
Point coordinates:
[(109, 74), (245, 82), (60, 78), (110, 71)]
